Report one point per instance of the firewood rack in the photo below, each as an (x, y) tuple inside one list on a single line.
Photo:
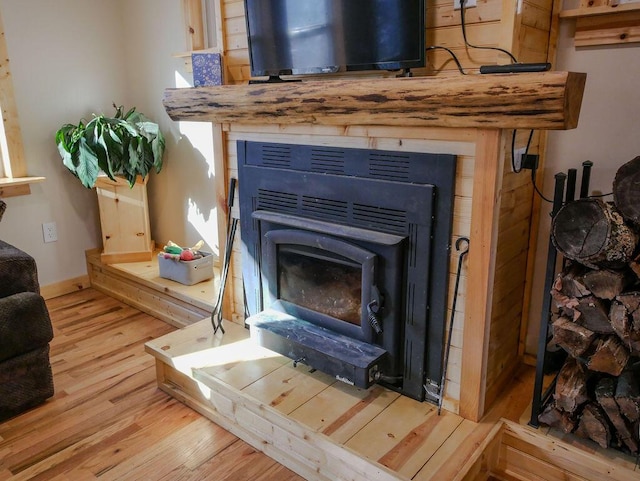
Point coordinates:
[(564, 192)]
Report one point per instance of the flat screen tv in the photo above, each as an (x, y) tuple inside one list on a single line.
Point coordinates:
[(328, 36)]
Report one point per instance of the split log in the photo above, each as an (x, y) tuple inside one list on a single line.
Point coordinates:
[(571, 281), (554, 417), (610, 356), (541, 101), (606, 283), (594, 315), (594, 425), (631, 300), (623, 326), (593, 233), (564, 303), (628, 395), (626, 190), (572, 337), (605, 391), (571, 386)]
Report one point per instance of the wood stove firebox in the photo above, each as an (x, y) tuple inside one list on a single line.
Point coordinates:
[(345, 258)]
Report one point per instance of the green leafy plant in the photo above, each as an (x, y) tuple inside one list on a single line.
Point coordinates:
[(127, 144)]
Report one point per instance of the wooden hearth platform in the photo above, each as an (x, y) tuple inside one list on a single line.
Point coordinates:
[(326, 430), (317, 426), (139, 284)]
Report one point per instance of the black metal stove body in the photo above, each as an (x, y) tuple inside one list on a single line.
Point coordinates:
[(345, 258)]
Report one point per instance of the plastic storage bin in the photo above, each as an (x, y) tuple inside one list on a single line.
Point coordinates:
[(187, 272)]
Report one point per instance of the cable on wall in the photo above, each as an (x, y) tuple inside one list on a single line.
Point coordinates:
[(453, 55), (466, 42)]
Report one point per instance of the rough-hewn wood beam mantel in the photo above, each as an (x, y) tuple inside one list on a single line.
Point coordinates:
[(547, 101)]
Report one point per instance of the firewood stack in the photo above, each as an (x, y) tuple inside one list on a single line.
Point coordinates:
[(597, 294)]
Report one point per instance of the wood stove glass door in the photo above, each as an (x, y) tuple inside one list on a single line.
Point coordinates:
[(329, 284), (327, 279)]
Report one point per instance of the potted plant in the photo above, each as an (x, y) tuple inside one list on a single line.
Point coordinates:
[(127, 145), (115, 155)]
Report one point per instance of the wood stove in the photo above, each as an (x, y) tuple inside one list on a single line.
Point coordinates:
[(345, 258)]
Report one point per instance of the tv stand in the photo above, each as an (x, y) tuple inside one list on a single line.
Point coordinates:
[(273, 79), (405, 72)]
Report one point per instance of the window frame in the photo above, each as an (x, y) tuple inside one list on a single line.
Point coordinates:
[(13, 178)]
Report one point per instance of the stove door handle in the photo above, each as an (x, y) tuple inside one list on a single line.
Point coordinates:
[(373, 308)]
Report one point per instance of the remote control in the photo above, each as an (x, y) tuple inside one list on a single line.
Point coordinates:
[(516, 68)]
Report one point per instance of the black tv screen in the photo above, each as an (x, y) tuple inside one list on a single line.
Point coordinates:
[(326, 36)]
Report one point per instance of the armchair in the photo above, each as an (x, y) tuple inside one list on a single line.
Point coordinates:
[(26, 379)]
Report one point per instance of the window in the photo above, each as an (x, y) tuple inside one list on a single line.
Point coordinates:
[(13, 168)]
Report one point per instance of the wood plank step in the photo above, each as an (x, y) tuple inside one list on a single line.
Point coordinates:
[(324, 429), (307, 420), (257, 413), (140, 285)]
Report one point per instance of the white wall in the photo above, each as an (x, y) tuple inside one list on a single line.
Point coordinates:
[(65, 63), (607, 134), (182, 198), (69, 59)]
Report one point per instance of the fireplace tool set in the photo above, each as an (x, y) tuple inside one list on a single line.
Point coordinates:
[(232, 226), (462, 253)]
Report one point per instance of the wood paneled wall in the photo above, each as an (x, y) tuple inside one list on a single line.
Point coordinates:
[(520, 26)]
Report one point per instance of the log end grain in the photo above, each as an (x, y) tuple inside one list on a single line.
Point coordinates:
[(593, 233), (626, 190)]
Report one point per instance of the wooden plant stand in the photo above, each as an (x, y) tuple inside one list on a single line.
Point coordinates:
[(124, 220)]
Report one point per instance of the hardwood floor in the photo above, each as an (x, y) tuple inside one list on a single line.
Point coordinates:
[(108, 420)]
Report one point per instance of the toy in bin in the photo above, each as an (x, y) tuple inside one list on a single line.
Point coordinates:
[(186, 265)]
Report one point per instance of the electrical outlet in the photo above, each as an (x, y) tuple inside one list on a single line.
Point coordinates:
[(50, 232), (467, 4), (517, 159)]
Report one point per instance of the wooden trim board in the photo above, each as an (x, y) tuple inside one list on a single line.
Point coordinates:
[(485, 207), (12, 156), (524, 450), (65, 287)]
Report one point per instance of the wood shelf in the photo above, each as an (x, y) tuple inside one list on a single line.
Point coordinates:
[(605, 24), (11, 187), (6, 181), (186, 57), (600, 10), (546, 101)]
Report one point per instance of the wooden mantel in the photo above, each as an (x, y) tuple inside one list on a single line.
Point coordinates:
[(543, 101)]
